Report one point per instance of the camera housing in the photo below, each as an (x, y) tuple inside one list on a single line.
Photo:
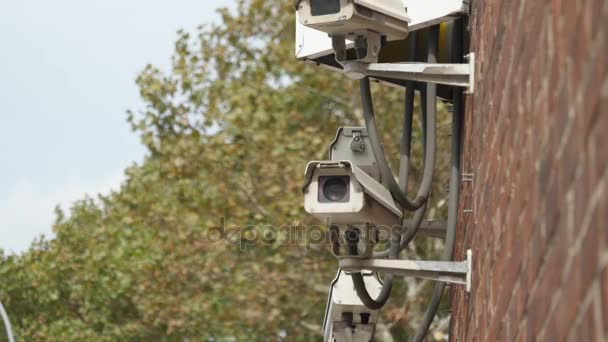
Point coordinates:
[(346, 193), (313, 45), (341, 193), (345, 310), (351, 18), (368, 23)]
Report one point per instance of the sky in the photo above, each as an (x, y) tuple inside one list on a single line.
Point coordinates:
[(67, 77)]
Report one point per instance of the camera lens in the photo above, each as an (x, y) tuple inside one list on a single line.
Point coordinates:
[(324, 7), (335, 188)]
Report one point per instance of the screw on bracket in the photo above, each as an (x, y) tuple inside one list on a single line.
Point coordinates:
[(468, 177), (357, 144)]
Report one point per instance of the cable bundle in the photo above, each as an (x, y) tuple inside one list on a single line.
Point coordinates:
[(400, 240)]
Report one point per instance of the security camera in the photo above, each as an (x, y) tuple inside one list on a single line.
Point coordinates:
[(343, 194), (346, 317), (346, 193), (351, 17), (366, 22)]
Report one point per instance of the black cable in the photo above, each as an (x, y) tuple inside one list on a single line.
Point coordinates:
[(412, 230), (387, 175), (408, 116), (405, 148), (419, 214), (387, 286), (457, 117), (378, 149)]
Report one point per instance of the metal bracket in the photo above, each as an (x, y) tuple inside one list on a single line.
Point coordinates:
[(454, 272), (430, 229), (357, 144), (460, 75), (468, 177)]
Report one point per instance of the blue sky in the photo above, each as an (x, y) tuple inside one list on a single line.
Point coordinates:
[(67, 71)]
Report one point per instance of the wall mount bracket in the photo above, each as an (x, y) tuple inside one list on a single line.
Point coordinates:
[(453, 272), (460, 75)]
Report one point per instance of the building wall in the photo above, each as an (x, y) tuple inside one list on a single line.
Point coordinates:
[(536, 140)]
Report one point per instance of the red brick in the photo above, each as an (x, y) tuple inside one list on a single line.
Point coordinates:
[(505, 332), (599, 140), (585, 330), (590, 248), (521, 335), (551, 332), (564, 314), (538, 309), (600, 219), (534, 255)]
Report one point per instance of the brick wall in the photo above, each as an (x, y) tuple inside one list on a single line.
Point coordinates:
[(536, 140)]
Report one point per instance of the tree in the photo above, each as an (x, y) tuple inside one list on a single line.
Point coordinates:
[(228, 132)]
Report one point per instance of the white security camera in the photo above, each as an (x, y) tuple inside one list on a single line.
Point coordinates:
[(343, 194), (348, 17), (366, 22), (346, 317)]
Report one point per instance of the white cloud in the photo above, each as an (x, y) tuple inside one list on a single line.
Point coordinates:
[(27, 208)]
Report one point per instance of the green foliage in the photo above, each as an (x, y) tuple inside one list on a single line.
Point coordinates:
[(228, 131)]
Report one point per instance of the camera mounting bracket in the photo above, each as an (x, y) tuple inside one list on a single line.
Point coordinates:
[(316, 47), (453, 272), (460, 75)]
